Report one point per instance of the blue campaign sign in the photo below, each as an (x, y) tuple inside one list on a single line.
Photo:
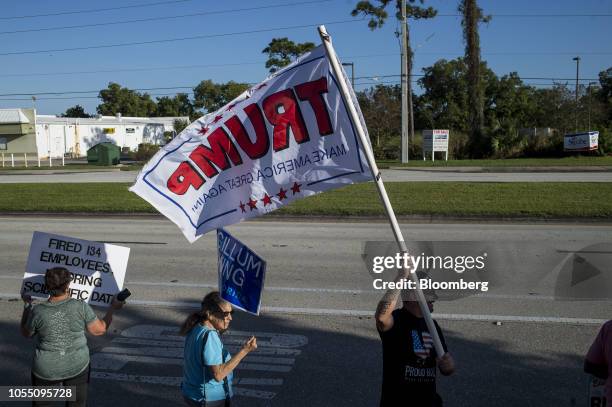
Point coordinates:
[(241, 273)]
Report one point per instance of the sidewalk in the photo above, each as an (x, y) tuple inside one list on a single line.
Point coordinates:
[(558, 168)]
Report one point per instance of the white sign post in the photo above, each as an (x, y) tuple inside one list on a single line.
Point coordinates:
[(435, 140), (98, 269)]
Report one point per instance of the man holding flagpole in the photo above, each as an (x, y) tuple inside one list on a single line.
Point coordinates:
[(298, 133), (409, 357)]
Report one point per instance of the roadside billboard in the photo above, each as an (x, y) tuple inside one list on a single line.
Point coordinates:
[(581, 141)]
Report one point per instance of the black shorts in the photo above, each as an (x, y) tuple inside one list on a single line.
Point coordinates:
[(80, 381)]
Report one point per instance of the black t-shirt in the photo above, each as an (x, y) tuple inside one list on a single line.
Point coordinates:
[(409, 362)]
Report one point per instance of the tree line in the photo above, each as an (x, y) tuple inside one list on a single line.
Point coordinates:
[(519, 120), (489, 116)]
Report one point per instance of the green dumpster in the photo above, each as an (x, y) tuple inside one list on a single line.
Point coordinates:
[(104, 154)]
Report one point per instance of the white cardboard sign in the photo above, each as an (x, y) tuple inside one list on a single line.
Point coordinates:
[(98, 269)]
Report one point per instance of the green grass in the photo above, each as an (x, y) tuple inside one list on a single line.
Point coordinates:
[(536, 200), (510, 162)]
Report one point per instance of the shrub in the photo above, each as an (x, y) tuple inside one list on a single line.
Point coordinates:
[(145, 151), (605, 141)]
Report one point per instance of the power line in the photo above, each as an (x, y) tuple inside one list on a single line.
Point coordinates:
[(196, 37), (63, 13), (520, 77), (173, 67), (532, 15), (75, 97), (155, 94), (533, 53), (372, 80), (94, 91), (141, 20), (398, 83), (161, 68)]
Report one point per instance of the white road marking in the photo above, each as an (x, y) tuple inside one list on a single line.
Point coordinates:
[(272, 288), (515, 318), (258, 382), (178, 353), (257, 394), (529, 297), (364, 313), (165, 380), (179, 344), (176, 381), (162, 345), (114, 361)]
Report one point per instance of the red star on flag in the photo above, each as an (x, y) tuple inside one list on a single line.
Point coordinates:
[(242, 207), (266, 200), (282, 194), (203, 130), (217, 118), (295, 188), (252, 204)]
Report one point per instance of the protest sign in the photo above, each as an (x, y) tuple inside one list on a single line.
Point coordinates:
[(286, 138), (98, 269), (241, 273)]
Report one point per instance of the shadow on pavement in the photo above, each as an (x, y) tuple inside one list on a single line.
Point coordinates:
[(340, 364)]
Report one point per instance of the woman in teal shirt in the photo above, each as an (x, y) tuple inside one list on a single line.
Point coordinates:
[(58, 325), (208, 366)]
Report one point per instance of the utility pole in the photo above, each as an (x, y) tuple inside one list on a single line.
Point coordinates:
[(577, 59), (405, 138)]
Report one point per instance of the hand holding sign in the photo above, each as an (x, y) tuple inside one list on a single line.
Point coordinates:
[(97, 269)]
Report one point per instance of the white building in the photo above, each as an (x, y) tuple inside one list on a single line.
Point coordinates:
[(22, 131)]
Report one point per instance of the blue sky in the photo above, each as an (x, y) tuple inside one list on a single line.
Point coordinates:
[(535, 45)]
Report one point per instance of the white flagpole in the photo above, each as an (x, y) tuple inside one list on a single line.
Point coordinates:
[(333, 59)]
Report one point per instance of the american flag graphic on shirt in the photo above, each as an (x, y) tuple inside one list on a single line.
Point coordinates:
[(421, 348)]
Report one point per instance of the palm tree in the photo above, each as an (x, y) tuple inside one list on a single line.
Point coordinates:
[(472, 15)]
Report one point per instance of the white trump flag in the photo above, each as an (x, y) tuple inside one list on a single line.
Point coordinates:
[(286, 138)]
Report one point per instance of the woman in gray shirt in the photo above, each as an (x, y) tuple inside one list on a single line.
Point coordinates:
[(58, 325)]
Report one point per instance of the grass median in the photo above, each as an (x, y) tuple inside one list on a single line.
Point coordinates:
[(532, 200), (574, 161)]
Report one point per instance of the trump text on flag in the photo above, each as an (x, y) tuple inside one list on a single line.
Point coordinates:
[(285, 139)]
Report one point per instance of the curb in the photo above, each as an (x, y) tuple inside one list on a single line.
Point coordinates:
[(418, 219)]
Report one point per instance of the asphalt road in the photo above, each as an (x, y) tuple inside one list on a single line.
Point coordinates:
[(388, 175), (318, 344)]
